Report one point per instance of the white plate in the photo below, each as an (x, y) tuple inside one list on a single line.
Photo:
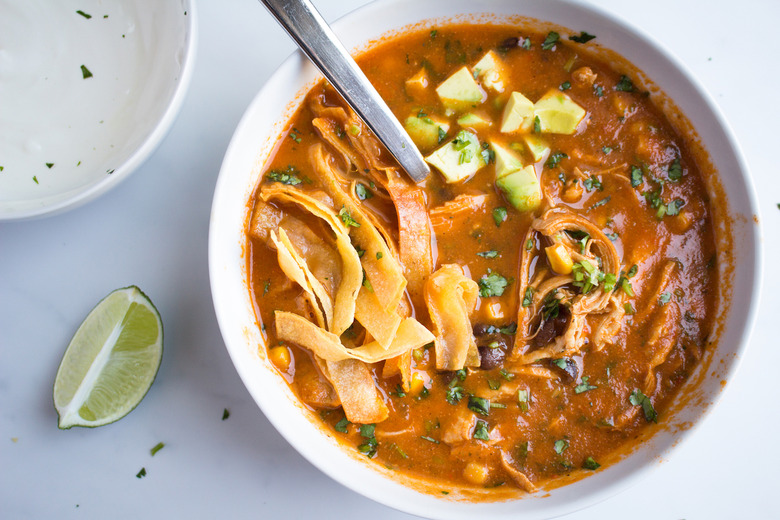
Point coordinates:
[(65, 136), (252, 143)]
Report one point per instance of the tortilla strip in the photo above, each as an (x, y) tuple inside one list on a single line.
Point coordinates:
[(285, 253), (382, 268), (359, 397), (451, 298), (414, 235), (351, 272), (297, 329), (264, 218), (379, 323)]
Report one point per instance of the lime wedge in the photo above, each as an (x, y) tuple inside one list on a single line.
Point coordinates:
[(111, 361)]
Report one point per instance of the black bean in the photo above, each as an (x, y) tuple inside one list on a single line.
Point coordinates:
[(491, 357)]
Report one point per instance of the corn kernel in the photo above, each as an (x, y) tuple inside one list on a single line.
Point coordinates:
[(559, 258), (475, 473), (495, 311), (417, 384), (417, 84), (280, 357)]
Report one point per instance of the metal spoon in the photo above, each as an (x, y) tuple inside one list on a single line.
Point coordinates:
[(316, 39)]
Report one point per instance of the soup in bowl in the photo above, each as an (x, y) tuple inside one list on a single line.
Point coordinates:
[(555, 301)]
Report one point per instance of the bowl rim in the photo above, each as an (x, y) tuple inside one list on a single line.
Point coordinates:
[(628, 475), (139, 156)]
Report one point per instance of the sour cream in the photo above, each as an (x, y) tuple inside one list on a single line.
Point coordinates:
[(83, 85)]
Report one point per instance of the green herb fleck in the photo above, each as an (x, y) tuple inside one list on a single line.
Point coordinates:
[(528, 297), (141, 474), (346, 218), (341, 426), (523, 398), (584, 386), (85, 15), (499, 216), (225, 414), (537, 125), (492, 284), (675, 172), (488, 254), (637, 398), (289, 176), (49, 165), (157, 447), (566, 85), (598, 90), (481, 431), (85, 73), (554, 159), (370, 445), (625, 84), (665, 298), (591, 464), (551, 40), (583, 37), (560, 446), (429, 439), (35, 179), (479, 405)]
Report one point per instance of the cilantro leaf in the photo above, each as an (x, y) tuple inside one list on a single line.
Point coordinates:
[(637, 398), (583, 37), (492, 284)]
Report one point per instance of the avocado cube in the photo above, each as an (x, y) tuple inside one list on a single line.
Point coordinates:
[(506, 160), (557, 113), (460, 91), (426, 131), (521, 188), (518, 114), (490, 72), (474, 120), (459, 159), (537, 146)]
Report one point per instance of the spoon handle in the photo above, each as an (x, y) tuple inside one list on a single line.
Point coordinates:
[(313, 35)]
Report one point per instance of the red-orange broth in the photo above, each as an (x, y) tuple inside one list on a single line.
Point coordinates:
[(510, 419)]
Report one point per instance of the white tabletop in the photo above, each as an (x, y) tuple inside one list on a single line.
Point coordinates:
[(152, 231)]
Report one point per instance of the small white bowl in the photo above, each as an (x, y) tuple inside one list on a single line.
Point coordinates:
[(88, 90), (253, 142)]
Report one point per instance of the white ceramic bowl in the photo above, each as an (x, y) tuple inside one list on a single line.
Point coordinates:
[(251, 145), (88, 89)]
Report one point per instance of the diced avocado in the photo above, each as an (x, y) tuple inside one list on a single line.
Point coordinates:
[(557, 113), (490, 71), (460, 91), (426, 131), (506, 160), (521, 188), (458, 159), (474, 120), (417, 83), (518, 114), (537, 146)]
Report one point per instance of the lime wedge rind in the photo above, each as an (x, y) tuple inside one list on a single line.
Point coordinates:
[(111, 362)]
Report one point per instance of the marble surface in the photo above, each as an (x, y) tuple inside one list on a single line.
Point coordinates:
[(152, 231)]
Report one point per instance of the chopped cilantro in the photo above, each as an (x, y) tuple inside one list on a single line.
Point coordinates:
[(625, 84), (554, 159), (341, 426), (632, 272), (35, 179), (591, 464), (598, 90), (362, 192), (601, 202), (584, 386), (492, 284), (673, 207), (157, 447), (592, 183), (528, 297), (560, 446), (85, 15), (499, 216), (49, 165), (537, 125), (225, 414), (637, 398), (566, 85), (551, 40), (85, 73), (488, 254), (455, 392), (675, 172), (289, 176), (481, 431), (583, 37), (370, 445), (479, 405), (606, 150), (665, 298), (141, 474), (347, 219), (526, 44)]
